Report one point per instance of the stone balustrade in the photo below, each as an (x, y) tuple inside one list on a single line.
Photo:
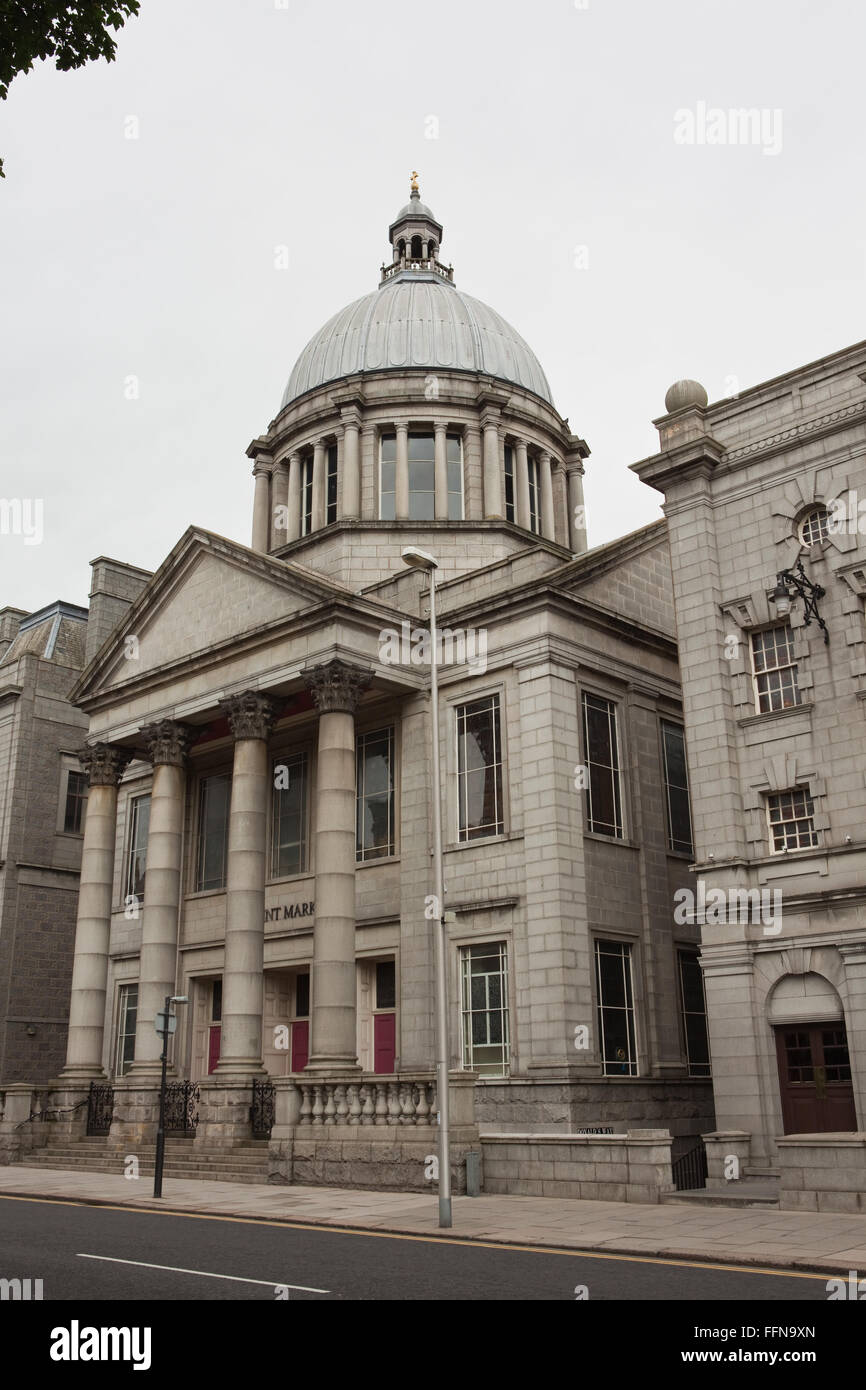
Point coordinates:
[(404, 1101)]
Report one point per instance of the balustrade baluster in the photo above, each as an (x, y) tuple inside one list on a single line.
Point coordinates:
[(368, 1113), (330, 1107), (340, 1102), (306, 1104), (318, 1107), (393, 1104), (407, 1103), (422, 1109), (381, 1103), (354, 1106)]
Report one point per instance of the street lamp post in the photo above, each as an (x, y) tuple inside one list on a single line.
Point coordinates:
[(166, 1030), (420, 559)]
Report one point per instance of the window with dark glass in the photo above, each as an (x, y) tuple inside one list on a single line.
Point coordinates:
[(386, 984), (422, 477), (331, 499), (603, 794), (616, 1030), (677, 788), (306, 494), (479, 769), (76, 797), (216, 1001), (388, 477), (484, 1008), (302, 996), (213, 832), (289, 816), (694, 1015), (126, 1021), (509, 483), (375, 795), (139, 823)]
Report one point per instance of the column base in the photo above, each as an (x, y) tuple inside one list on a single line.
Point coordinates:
[(224, 1112), (136, 1115)]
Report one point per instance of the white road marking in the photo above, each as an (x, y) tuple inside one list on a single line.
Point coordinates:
[(204, 1274)]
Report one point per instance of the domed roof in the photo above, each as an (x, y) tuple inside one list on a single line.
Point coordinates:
[(416, 321), (416, 318)]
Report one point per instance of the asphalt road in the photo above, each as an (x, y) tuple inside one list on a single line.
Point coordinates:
[(98, 1253)]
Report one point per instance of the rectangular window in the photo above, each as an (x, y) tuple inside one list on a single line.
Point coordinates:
[(455, 477), (509, 483), (127, 1015), (375, 795), (694, 1015), (616, 1031), (792, 821), (76, 798), (479, 770), (213, 832), (289, 816), (386, 984), (534, 496), (302, 995), (422, 477), (775, 670), (603, 794), (306, 494), (677, 788), (216, 1001), (388, 477), (139, 823), (484, 1007), (331, 500)]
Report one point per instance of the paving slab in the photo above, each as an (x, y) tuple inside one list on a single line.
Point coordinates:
[(821, 1242)]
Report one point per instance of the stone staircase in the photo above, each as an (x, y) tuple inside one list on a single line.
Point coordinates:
[(747, 1192), (247, 1163)]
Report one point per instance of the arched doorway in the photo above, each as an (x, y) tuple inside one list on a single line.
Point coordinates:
[(815, 1083)]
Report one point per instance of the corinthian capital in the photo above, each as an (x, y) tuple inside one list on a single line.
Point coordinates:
[(104, 763), (166, 742), (337, 687), (250, 714)]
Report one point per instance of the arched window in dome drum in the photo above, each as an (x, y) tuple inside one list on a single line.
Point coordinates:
[(455, 477), (331, 511), (509, 483), (306, 494), (417, 250)]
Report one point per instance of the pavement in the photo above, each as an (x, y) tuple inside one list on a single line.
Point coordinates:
[(751, 1236)]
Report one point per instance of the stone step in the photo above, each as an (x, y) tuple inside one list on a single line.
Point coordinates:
[(709, 1197), (256, 1176)]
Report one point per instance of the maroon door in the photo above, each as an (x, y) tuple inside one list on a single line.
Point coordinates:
[(213, 1047), (815, 1079), (384, 1042), (300, 1044)]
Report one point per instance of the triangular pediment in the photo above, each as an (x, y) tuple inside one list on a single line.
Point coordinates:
[(209, 591)]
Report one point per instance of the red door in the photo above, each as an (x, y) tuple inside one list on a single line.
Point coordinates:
[(384, 1043), (213, 1047), (815, 1079), (300, 1044)]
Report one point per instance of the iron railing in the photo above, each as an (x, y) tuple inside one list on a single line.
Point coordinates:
[(100, 1108), (690, 1169), (262, 1109), (181, 1107)]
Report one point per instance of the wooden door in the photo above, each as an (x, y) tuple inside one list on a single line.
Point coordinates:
[(384, 1043), (213, 1049), (815, 1079), (300, 1044)]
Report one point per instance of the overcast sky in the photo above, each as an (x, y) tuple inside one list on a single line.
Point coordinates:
[(626, 258)]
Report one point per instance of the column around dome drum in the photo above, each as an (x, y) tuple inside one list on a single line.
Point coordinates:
[(350, 468), (576, 510), (548, 525), (280, 505), (401, 499), (294, 529), (441, 471), (319, 485), (494, 464), (522, 485), (262, 505)]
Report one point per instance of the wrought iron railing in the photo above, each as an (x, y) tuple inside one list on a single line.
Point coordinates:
[(262, 1109), (100, 1108), (181, 1107), (690, 1169)]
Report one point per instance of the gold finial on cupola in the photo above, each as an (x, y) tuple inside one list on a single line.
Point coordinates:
[(414, 180)]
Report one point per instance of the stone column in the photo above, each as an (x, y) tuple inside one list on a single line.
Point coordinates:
[(441, 471), (294, 530), (369, 474), (548, 525), (320, 456), (336, 688), (521, 484), (351, 470), (250, 717), (166, 744), (576, 512), (105, 765), (493, 466), (261, 505), (280, 508), (401, 499)]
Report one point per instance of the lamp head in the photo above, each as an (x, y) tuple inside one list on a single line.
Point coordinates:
[(418, 559)]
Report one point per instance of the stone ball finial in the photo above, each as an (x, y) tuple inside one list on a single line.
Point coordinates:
[(685, 393)]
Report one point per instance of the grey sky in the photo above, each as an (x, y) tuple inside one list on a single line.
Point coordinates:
[(262, 126)]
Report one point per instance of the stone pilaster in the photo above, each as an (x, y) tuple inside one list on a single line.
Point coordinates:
[(336, 688), (104, 764)]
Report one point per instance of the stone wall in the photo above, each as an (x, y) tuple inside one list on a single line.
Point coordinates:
[(822, 1172), (685, 1107), (630, 1167)]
